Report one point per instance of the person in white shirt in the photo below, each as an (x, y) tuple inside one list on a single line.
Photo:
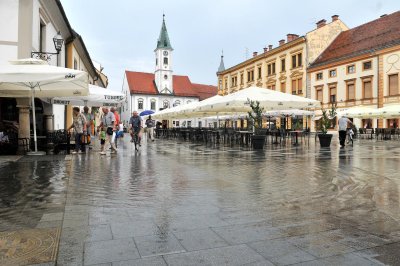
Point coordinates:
[(343, 124)]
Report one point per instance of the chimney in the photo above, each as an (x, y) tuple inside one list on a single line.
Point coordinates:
[(255, 54), (265, 49), (290, 37), (321, 23), (270, 47), (282, 42), (384, 15), (335, 17)]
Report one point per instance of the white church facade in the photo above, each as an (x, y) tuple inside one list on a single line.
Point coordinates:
[(161, 89)]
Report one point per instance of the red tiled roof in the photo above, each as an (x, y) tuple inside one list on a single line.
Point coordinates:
[(205, 91), (367, 38), (143, 83)]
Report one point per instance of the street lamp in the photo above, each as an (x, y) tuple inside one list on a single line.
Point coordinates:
[(46, 56)]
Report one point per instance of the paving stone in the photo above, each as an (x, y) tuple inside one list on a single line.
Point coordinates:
[(48, 217), (151, 261), (158, 245), (200, 239), (237, 234), (109, 251), (134, 228), (340, 260), (232, 255), (387, 254), (99, 232), (281, 252)]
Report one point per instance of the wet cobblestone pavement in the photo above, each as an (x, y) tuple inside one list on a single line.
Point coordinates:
[(182, 203)]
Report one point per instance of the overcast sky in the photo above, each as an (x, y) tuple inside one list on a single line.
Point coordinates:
[(122, 34)]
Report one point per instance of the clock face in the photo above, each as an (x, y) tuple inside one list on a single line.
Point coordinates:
[(165, 53)]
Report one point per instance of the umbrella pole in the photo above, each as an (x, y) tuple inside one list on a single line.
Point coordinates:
[(34, 119)]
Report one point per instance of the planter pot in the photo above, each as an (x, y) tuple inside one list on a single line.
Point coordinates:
[(325, 140), (258, 142)]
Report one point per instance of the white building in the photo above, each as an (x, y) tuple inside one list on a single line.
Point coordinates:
[(161, 89)]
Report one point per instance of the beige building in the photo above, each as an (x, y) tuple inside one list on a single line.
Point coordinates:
[(281, 68), (360, 68)]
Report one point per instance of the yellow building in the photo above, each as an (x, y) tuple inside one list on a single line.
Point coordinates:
[(281, 68), (360, 68)]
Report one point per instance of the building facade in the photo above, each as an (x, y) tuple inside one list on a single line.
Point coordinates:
[(360, 68), (161, 89), (31, 27), (284, 67)]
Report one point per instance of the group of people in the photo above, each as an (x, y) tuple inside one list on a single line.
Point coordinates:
[(110, 129)]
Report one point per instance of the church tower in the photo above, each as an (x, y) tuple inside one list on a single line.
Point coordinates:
[(163, 52)]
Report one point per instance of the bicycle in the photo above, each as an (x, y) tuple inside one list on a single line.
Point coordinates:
[(135, 139), (350, 134)]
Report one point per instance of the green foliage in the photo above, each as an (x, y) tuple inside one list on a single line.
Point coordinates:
[(326, 119), (297, 125), (255, 114)]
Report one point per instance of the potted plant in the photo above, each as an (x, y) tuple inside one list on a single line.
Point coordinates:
[(326, 122), (255, 115)]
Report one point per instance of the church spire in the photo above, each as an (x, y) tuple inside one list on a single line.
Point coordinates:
[(221, 65), (163, 40)]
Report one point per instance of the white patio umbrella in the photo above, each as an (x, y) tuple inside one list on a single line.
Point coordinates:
[(359, 112), (97, 96), (390, 111), (269, 99), (35, 78), (294, 112)]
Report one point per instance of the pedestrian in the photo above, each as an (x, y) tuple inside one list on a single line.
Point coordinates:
[(135, 126), (79, 125), (343, 124), (150, 127), (117, 120), (89, 122), (108, 125)]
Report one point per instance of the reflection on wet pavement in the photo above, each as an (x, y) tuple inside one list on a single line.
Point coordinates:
[(183, 203)]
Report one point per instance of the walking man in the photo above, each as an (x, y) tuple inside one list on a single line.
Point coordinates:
[(150, 127), (117, 119), (135, 125), (79, 125), (343, 123), (108, 125)]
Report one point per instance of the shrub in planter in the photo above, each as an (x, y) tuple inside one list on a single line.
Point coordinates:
[(326, 123), (255, 116)]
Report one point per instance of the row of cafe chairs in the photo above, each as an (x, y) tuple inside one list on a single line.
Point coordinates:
[(378, 133)]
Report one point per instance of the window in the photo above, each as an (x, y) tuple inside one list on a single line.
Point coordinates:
[(294, 61), (42, 37), (283, 66), (156, 61), (367, 65), (332, 73), (250, 75), (165, 60), (226, 84), (332, 94), (393, 84), (165, 104), (233, 82), (319, 76), (351, 69), (351, 91), (153, 104), (177, 102), (320, 94), (367, 89), (271, 87), (241, 79), (75, 64), (297, 86), (165, 77), (140, 104), (283, 86), (259, 72), (271, 69), (220, 85), (297, 60)]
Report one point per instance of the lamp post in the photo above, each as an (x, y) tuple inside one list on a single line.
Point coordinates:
[(58, 43)]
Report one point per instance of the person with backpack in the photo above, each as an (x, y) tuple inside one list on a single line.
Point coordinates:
[(79, 125)]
